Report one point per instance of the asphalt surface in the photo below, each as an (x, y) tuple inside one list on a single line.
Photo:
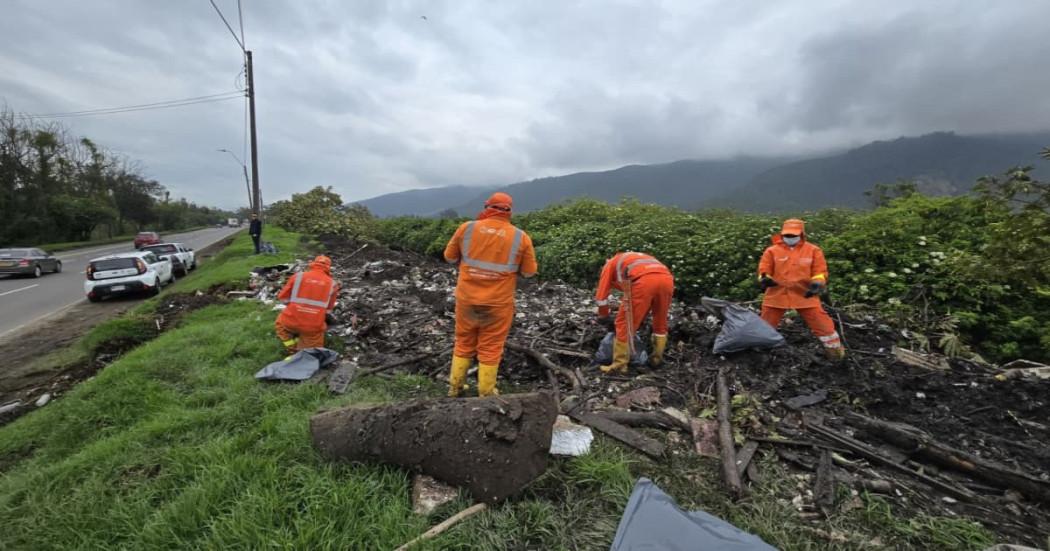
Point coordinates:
[(24, 301)]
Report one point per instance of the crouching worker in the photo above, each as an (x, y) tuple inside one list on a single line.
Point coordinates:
[(491, 253), (309, 296), (793, 274), (647, 286)]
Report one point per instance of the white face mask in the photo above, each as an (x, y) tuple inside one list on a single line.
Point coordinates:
[(792, 241)]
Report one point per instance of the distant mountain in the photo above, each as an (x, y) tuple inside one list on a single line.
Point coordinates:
[(420, 202), (942, 163)]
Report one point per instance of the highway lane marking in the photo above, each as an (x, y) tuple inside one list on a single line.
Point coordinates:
[(19, 290)]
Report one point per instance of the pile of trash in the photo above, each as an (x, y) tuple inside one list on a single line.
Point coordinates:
[(944, 436)]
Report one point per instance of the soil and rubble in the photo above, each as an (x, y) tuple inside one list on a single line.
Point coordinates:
[(396, 315)]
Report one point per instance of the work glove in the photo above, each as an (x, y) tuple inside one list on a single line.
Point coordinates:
[(815, 288), (607, 323), (766, 282)]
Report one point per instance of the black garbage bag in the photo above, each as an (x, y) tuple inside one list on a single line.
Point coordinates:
[(604, 356), (741, 328), (652, 520), (300, 366)]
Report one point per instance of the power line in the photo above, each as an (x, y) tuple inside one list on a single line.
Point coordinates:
[(223, 17), (240, 18), (140, 107)]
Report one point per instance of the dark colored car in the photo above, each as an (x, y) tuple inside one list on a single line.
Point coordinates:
[(146, 238), (30, 262)]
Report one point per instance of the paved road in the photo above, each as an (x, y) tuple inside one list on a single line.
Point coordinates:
[(26, 300)]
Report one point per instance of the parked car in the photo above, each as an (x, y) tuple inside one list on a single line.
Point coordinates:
[(127, 273), (182, 258), (144, 238), (29, 262)]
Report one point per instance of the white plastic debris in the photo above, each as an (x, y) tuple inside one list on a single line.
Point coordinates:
[(570, 439), (43, 399)]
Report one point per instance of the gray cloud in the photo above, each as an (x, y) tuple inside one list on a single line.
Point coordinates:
[(370, 98)]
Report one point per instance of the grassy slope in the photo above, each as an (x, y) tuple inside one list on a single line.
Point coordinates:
[(177, 446)]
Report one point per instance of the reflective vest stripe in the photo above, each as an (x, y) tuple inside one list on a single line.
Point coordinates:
[(296, 299), (621, 273), (510, 267)]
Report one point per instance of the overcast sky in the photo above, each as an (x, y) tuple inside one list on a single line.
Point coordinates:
[(369, 97)]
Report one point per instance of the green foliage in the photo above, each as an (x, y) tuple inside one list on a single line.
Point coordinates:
[(321, 211)]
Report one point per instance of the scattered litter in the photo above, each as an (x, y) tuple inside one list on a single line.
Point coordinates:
[(428, 494), (799, 402), (604, 356), (925, 361), (43, 399), (569, 438), (300, 366), (652, 520), (10, 406)]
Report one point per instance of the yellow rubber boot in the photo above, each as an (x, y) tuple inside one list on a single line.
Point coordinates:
[(836, 354), (457, 376), (659, 345), (620, 358), (487, 379)]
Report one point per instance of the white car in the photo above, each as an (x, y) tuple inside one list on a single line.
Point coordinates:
[(182, 258), (125, 273)]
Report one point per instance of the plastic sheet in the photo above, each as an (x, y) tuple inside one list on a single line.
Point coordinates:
[(604, 355), (741, 328), (301, 366), (652, 520)]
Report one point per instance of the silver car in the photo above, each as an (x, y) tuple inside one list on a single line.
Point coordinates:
[(28, 262)]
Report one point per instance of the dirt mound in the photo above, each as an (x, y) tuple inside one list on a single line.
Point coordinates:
[(175, 306)]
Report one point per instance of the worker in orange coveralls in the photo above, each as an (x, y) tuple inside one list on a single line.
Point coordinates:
[(491, 252), (309, 296), (793, 273), (647, 286)]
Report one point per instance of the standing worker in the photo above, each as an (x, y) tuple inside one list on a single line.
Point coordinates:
[(309, 296), (255, 230), (647, 286), (793, 274), (491, 253)]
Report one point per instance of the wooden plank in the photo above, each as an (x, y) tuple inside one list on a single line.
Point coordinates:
[(744, 456), (628, 436), (725, 439)]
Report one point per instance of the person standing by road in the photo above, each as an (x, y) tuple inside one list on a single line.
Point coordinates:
[(491, 252), (255, 230), (647, 286), (793, 273)]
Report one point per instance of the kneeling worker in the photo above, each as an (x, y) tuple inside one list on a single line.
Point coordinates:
[(309, 296), (491, 252), (793, 274), (647, 285)]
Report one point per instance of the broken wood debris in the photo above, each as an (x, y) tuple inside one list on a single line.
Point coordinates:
[(445, 525), (653, 420), (633, 438), (916, 359), (725, 439)]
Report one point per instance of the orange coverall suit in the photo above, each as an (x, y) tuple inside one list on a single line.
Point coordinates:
[(794, 269), (491, 252), (651, 287), (309, 296)]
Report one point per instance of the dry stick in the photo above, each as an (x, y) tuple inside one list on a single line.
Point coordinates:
[(577, 385), (448, 523), (870, 454), (919, 443), (656, 420), (725, 439), (399, 363)]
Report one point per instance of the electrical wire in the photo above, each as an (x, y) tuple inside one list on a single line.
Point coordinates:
[(223, 17), (140, 107), (240, 18)]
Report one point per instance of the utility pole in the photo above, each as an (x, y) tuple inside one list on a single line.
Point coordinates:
[(256, 193)]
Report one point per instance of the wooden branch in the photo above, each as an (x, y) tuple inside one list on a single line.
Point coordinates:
[(577, 385), (798, 443), (725, 439), (448, 523), (743, 458), (631, 437), (399, 363), (860, 448), (921, 444)]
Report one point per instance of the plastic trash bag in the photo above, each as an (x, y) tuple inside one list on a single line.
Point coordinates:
[(301, 366), (741, 328), (604, 356), (652, 520)]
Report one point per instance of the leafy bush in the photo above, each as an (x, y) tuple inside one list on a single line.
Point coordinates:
[(321, 211)]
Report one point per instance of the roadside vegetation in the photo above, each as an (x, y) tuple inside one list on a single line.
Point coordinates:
[(62, 189), (965, 274)]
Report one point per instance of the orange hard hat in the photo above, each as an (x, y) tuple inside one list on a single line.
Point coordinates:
[(500, 200), (322, 260), (793, 226)]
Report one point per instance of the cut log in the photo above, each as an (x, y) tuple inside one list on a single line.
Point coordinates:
[(652, 420), (725, 439), (869, 453), (633, 438), (492, 446), (921, 444)]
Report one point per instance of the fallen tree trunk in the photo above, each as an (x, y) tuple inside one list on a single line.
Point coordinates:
[(725, 439), (652, 420), (491, 446), (918, 442)]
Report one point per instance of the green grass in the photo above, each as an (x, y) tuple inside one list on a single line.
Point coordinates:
[(176, 446)]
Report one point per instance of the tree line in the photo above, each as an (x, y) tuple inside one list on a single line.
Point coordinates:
[(56, 187)]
